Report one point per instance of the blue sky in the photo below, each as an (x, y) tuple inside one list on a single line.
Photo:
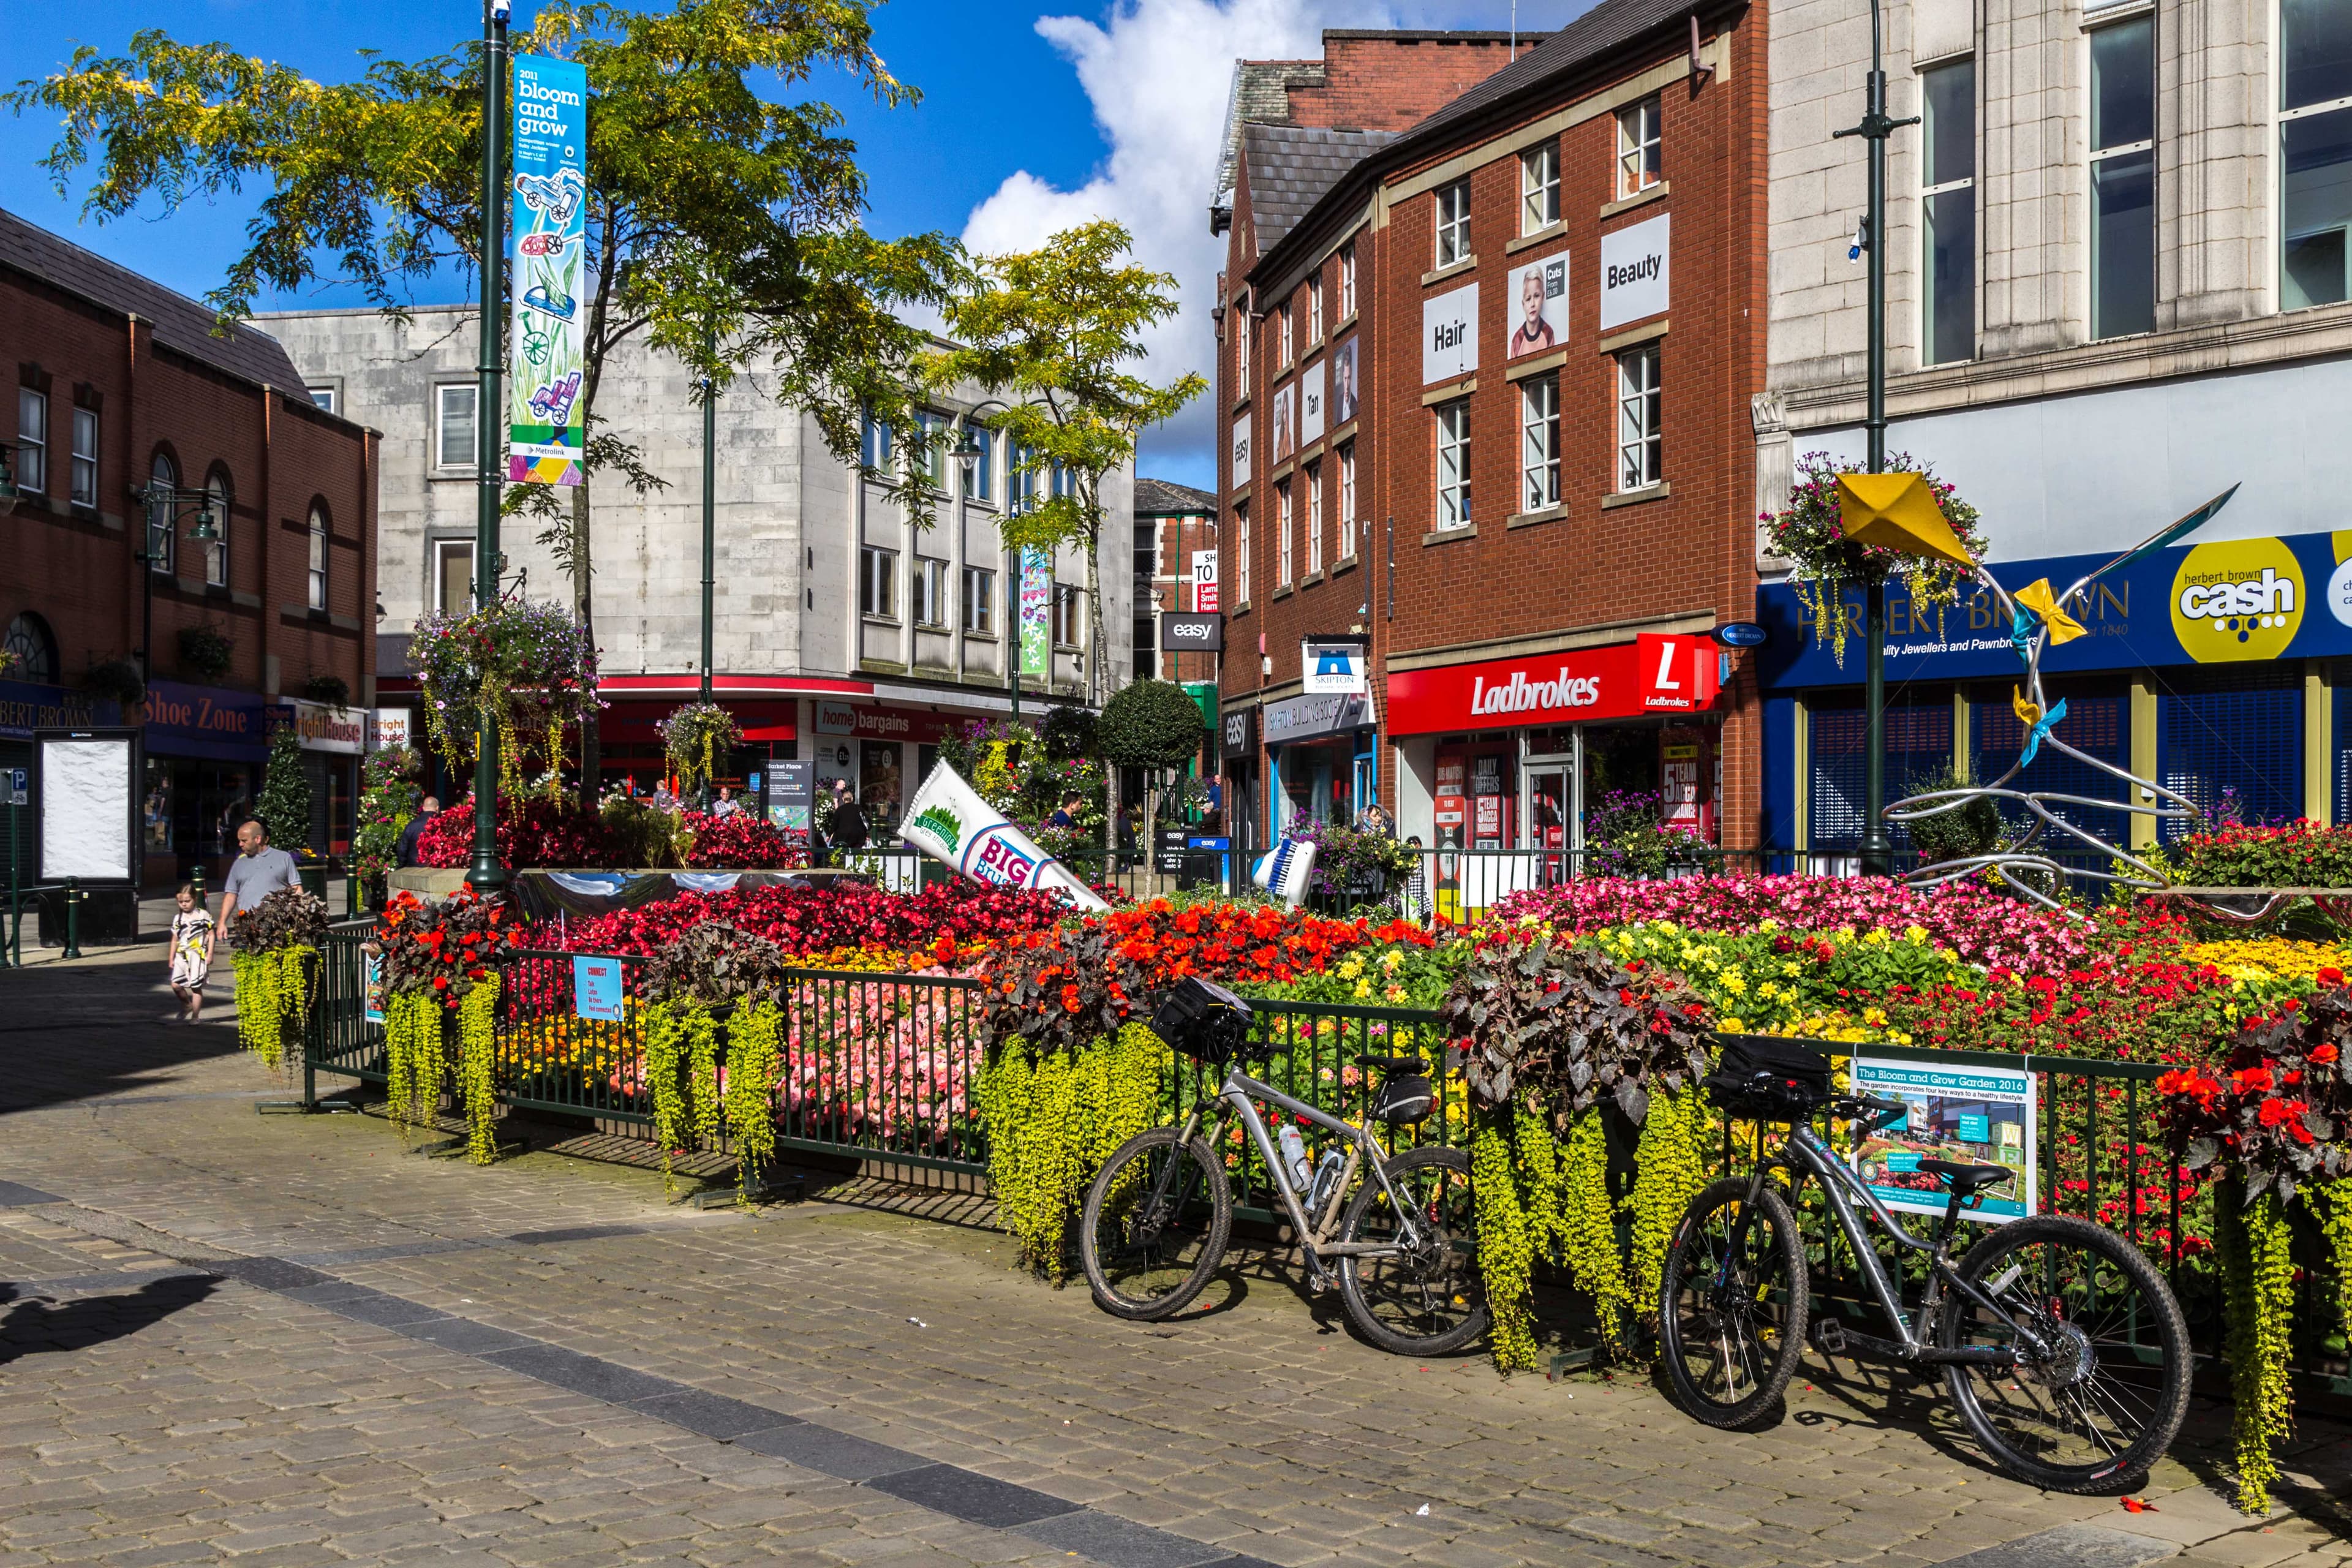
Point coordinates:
[(1033, 116)]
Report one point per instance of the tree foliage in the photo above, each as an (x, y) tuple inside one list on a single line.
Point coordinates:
[(1054, 333), (1150, 724)]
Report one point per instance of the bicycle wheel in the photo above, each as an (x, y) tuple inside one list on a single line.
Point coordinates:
[(1155, 1225), (1429, 1300), (1732, 1304), (2103, 1401)]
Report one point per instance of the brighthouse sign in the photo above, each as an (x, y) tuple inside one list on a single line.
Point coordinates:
[(547, 272)]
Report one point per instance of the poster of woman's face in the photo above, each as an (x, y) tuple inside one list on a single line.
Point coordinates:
[(1538, 306), (1285, 421), (1343, 383)]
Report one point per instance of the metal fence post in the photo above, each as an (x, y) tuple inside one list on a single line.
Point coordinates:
[(73, 917)]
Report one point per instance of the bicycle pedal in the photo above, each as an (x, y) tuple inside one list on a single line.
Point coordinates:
[(1829, 1336)]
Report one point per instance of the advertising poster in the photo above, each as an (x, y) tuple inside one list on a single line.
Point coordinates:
[(371, 987), (1204, 582), (1449, 335), (1036, 612), (1311, 399), (1343, 384), (1241, 449), (596, 988), (791, 792), (1633, 272), (1285, 421), (1970, 1115), (547, 272), (1538, 306)]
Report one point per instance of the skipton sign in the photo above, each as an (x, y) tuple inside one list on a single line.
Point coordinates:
[(1653, 674)]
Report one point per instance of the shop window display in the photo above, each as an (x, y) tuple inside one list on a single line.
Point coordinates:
[(880, 790)]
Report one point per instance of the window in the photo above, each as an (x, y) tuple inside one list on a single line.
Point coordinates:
[(1539, 442), (453, 576), (1020, 476), (877, 582), (1454, 223), (218, 495), (1241, 326), (1346, 499), (937, 437), (1539, 187), (873, 443), (1314, 518), (85, 456), (1639, 145), (2315, 152), (1638, 453), (2123, 179), (324, 397), (980, 472), (318, 577), (1068, 623), (32, 441), (1063, 478), (1347, 279), (1948, 139), (1282, 360), (1241, 552), (35, 648), (454, 424), (927, 592), (1315, 310), (1283, 531), (1454, 464), (979, 600), (165, 475)]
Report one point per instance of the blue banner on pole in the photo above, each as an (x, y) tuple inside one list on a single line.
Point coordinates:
[(547, 272), (596, 989)]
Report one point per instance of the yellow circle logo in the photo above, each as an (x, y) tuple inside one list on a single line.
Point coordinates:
[(2237, 599)]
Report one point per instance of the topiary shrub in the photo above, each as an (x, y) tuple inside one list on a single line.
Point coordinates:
[(1151, 724), (284, 808)]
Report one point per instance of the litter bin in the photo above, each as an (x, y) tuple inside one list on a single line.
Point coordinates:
[(314, 878)]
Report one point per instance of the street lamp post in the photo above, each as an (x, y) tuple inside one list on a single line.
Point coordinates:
[(1878, 850), (486, 876), (709, 527), (162, 507)]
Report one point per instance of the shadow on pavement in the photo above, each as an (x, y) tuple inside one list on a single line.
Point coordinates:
[(34, 1325), (83, 1030)]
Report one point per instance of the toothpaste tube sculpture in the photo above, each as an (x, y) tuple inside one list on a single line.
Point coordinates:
[(1283, 872), (948, 819)]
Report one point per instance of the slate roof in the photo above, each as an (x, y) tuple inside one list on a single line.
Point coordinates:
[(1164, 498), (180, 323), (1260, 94), (1291, 168)]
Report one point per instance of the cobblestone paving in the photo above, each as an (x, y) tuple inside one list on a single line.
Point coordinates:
[(163, 1398)]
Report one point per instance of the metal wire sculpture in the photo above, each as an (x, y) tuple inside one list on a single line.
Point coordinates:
[(2028, 862)]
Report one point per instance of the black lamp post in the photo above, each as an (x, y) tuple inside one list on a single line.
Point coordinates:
[(1878, 850), (710, 526), (966, 451), (163, 507), (485, 874)]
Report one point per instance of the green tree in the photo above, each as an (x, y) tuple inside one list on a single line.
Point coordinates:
[(285, 804), (723, 226), (1153, 725), (1053, 333)]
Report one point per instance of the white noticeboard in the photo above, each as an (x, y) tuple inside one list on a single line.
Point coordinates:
[(1969, 1115), (89, 811)]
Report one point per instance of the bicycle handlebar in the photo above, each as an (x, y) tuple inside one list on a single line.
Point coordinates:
[(1889, 1111)]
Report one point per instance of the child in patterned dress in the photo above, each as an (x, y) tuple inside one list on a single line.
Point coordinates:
[(191, 955)]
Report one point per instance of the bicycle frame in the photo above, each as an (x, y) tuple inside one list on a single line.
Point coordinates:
[(1803, 1154)]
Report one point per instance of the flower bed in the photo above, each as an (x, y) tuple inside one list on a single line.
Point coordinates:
[(537, 831), (835, 922)]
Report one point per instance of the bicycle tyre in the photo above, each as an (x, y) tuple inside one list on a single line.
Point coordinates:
[(1469, 1293), (2122, 1379), (1694, 1266), (1150, 1306)]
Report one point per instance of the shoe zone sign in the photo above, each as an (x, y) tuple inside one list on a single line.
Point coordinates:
[(547, 273), (2228, 601)]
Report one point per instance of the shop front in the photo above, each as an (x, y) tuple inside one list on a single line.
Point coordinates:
[(332, 740), (1237, 793), (2214, 668), (1508, 767), (631, 750), (1319, 759), (883, 752), (204, 747)]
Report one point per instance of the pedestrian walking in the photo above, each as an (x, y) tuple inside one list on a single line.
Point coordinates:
[(404, 853), (191, 955), (258, 871)]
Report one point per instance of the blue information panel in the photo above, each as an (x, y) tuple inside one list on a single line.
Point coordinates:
[(596, 988), (1969, 1115)]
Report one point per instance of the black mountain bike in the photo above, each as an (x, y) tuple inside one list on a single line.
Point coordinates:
[(2058, 1340)]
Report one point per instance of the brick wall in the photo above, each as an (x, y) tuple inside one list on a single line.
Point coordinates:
[(1393, 81)]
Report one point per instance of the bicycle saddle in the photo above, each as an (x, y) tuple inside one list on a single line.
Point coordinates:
[(1392, 1064), (1967, 1179)]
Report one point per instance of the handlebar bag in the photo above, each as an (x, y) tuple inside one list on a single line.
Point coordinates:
[(1767, 1077)]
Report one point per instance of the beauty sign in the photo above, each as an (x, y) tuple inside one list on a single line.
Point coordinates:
[(547, 272), (1633, 272)]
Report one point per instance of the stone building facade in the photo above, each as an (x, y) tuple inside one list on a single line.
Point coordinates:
[(842, 633), (2116, 259), (1484, 384)]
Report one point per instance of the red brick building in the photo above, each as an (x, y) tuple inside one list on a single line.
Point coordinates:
[(1488, 349), (122, 385)]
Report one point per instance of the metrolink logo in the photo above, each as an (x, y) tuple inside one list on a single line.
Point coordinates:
[(1525, 696), (2237, 600)]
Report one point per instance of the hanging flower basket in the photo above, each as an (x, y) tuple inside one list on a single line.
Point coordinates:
[(1810, 534), (530, 665), (695, 736)]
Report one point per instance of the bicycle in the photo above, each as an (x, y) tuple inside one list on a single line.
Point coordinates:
[(1403, 1251), (2062, 1346)]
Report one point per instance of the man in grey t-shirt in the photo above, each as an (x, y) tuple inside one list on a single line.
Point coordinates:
[(256, 873)]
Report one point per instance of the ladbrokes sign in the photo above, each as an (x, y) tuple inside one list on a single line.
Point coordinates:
[(1653, 674)]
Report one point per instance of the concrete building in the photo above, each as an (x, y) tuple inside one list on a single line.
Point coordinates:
[(1466, 430), (842, 633), (2117, 254), (123, 387)]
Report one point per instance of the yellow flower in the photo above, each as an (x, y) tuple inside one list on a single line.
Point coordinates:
[(1364, 989), (1735, 1025), (1914, 935)]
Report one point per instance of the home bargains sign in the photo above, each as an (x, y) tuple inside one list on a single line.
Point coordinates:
[(1653, 674), (878, 724)]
